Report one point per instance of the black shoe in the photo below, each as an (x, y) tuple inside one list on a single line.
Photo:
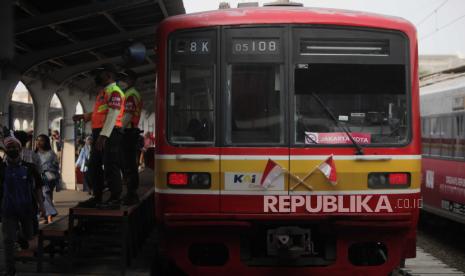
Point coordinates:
[(10, 273), (130, 199), (111, 204), (90, 203)]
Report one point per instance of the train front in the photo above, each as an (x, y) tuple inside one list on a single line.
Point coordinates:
[(287, 143)]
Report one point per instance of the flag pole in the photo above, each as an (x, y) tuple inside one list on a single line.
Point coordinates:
[(302, 180)]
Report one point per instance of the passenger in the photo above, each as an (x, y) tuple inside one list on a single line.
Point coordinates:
[(50, 174), (55, 142), (131, 117), (30, 141), (29, 156), (148, 143), (83, 164), (19, 200), (107, 136)]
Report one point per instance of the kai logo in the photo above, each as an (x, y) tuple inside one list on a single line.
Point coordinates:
[(245, 178), (249, 181)]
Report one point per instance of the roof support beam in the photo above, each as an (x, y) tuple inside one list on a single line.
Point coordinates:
[(25, 62), (113, 21), (70, 72), (58, 17), (161, 4)]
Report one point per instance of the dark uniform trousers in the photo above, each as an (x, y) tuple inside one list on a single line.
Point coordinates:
[(110, 173), (130, 159)]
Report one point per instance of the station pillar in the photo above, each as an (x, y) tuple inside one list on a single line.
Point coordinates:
[(8, 81), (69, 99), (41, 93)]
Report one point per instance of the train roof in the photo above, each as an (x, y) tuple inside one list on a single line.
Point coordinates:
[(445, 83), (439, 93), (289, 15), (445, 80)]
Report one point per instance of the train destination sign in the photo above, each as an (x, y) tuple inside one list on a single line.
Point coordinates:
[(256, 47), (193, 46)]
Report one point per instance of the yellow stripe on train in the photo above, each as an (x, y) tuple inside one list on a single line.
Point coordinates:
[(245, 175)]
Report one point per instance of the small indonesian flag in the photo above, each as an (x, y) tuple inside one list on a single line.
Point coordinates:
[(271, 173), (328, 168)]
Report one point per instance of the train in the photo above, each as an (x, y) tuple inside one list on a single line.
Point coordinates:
[(288, 142), (443, 143)]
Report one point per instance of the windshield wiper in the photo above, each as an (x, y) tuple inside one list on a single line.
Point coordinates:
[(336, 122)]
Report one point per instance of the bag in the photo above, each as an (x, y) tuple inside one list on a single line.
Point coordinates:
[(17, 191), (50, 175), (59, 185)]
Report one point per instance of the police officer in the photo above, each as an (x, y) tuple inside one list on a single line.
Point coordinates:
[(107, 135), (131, 117)]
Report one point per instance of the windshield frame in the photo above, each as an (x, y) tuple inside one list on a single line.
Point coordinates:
[(290, 59)]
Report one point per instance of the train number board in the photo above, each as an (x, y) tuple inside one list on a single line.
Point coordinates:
[(256, 47), (193, 46)]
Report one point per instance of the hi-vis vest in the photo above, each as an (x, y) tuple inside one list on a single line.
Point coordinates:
[(110, 97), (133, 105)]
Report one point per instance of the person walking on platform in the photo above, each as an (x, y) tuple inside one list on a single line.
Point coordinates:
[(50, 172), (30, 156), (105, 158), (19, 198), (83, 163), (131, 117)]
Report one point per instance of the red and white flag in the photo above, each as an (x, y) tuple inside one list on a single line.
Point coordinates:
[(272, 171), (328, 168)]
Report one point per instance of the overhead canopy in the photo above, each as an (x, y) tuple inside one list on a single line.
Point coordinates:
[(63, 40)]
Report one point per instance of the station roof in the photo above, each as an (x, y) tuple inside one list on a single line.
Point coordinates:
[(64, 40)]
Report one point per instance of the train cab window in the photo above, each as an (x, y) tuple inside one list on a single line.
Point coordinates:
[(370, 100), (255, 104), (191, 104), (191, 88)]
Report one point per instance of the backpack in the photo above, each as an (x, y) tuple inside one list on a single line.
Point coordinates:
[(17, 191)]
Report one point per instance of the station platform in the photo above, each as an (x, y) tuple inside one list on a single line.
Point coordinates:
[(77, 261)]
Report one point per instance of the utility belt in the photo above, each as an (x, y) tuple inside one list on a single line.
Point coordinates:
[(134, 130), (118, 130)]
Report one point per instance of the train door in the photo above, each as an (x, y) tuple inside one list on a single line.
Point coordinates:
[(255, 143)]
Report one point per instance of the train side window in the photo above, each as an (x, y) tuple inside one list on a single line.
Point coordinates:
[(435, 137), (425, 135), (460, 144), (446, 137)]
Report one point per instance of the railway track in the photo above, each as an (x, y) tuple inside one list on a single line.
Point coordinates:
[(427, 265)]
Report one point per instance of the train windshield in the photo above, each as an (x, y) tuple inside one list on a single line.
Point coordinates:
[(258, 86), (369, 100)]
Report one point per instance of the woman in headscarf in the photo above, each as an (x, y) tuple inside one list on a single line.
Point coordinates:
[(50, 174)]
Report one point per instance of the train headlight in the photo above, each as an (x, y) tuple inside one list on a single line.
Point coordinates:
[(382, 180), (189, 180)]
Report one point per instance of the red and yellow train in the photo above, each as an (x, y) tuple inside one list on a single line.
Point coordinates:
[(288, 142)]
